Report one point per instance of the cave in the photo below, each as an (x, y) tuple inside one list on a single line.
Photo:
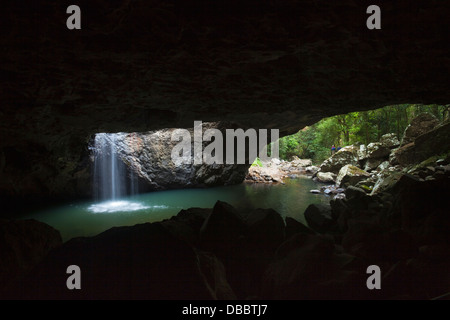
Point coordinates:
[(137, 71)]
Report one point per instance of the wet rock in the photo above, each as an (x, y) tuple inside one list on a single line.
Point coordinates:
[(326, 176), (418, 126), (314, 191), (350, 175)]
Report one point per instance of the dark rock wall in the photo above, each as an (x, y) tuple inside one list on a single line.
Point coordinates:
[(146, 65), (148, 157)]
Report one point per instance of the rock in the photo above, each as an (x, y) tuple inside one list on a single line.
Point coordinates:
[(347, 155), (319, 218), (418, 126), (386, 183), (296, 162), (404, 155), (383, 165), (372, 164), (367, 185), (433, 142), (354, 192), (350, 175), (293, 227), (145, 261), (339, 196), (311, 169), (441, 162), (148, 157), (314, 191), (369, 239), (377, 150), (308, 267), (389, 140), (326, 176), (214, 276), (265, 229), (221, 229), (275, 161), (23, 244), (362, 152)]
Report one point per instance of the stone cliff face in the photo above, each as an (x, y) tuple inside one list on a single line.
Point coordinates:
[(145, 65), (147, 157)]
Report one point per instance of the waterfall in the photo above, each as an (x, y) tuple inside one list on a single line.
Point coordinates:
[(113, 180), (110, 173)]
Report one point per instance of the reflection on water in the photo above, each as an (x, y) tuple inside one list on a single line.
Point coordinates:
[(88, 218)]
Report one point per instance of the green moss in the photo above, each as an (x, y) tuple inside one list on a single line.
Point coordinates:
[(367, 188)]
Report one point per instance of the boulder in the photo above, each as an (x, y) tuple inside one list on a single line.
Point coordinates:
[(23, 244), (347, 155), (326, 176), (142, 262), (311, 169), (296, 162), (353, 192), (372, 164), (221, 230), (369, 239), (362, 152), (384, 165), (433, 142), (386, 183), (309, 267), (376, 150), (403, 155), (214, 276), (350, 175), (265, 228), (319, 217), (389, 140), (293, 227), (418, 126)]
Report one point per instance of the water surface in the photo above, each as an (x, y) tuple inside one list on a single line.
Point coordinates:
[(91, 218)]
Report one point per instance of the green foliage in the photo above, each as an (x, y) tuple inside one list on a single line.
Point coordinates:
[(315, 141), (257, 163)]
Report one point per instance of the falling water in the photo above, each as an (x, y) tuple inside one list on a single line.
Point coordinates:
[(112, 179)]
